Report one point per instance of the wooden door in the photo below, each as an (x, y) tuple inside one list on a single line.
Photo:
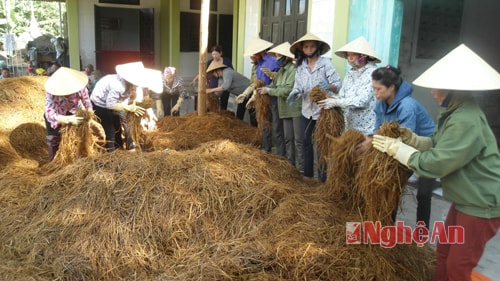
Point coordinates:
[(283, 20)]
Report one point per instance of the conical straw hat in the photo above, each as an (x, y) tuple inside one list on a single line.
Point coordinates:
[(66, 81), (257, 45), (153, 80), (461, 69), (282, 49), (215, 65), (132, 72), (360, 46), (310, 37)]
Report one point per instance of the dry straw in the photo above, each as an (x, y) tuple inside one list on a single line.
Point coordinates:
[(381, 182), (330, 124), (262, 107)]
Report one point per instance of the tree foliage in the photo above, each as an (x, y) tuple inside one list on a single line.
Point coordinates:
[(18, 16)]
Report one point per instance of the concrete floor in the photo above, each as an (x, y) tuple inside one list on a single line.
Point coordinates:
[(490, 261)]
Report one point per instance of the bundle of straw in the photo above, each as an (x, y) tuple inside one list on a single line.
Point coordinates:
[(381, 180), (343, 166), (329, 124), (80, 141), (262, 106)]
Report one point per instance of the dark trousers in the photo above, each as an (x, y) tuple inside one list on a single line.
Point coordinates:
[(168, 101), (240, 112), (53, 139), (455, 262), (111, 123), (308, 126), (425, 186), (223, 100)]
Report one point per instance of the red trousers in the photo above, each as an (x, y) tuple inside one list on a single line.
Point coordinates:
[(455, 262)]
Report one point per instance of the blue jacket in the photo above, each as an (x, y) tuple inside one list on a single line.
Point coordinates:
[(407, 111)]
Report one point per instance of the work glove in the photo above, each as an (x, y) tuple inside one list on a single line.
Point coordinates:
[(414, 140), (69, 119), (394, 148), (137, 110), (293, 96), (331, 103), (324, 85), (263, 90), (251, 101), (268, 72), (248, 91), (176, 107), (151, 114)]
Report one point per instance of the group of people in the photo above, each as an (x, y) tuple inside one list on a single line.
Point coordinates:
[(459, 149)]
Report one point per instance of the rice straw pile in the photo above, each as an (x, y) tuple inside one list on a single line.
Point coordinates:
[(343, 167), (262, 107), (381, 181), (223, 211), (329, 124), (80, 141), (194, 130), (28, 139)]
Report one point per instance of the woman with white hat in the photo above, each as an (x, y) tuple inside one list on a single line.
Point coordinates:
[(66, 94), (312, 70), (229, 79), (356, 95), (280, 88), (463, 153), (110, 97)]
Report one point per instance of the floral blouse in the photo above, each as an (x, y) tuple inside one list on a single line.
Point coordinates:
[(63, 105)]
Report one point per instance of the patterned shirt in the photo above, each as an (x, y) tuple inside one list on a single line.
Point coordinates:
[(359, 100), (175, 88), (62, 105), (306, 79)]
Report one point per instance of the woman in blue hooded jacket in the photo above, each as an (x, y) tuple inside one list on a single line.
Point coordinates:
[(395, 103)]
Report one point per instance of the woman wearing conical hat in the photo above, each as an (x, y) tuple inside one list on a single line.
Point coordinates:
[(290, 115), (312, 70), (66, 94), (110, 99), (356, 96), (463, 153)]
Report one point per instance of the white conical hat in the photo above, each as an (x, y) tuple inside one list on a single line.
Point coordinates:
[(461, 69), (153, 80), (66, 81), (310, 37), (132, 72), (215, 65), (282, 49), (257, 45), (359, 45)]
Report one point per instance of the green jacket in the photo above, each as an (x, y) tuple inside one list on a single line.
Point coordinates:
[(281, 87), (465, 157)]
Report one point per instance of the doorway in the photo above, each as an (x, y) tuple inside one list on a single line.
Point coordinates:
[(122, 36)]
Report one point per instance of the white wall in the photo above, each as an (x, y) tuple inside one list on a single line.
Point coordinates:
[(321, 21)]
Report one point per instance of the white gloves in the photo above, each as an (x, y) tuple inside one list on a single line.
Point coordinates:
[(263, 90), (293, 96), (412, 139), (151, 114), (137, 110), (248, 91), (251, 101), (69, 119), (176, 107), (331, 103), (393, 147)]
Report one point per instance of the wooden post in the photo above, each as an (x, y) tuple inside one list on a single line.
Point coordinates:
[(202, 70)]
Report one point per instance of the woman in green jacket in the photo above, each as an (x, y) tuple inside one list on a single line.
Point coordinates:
[(280, 87), (463, 153)]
